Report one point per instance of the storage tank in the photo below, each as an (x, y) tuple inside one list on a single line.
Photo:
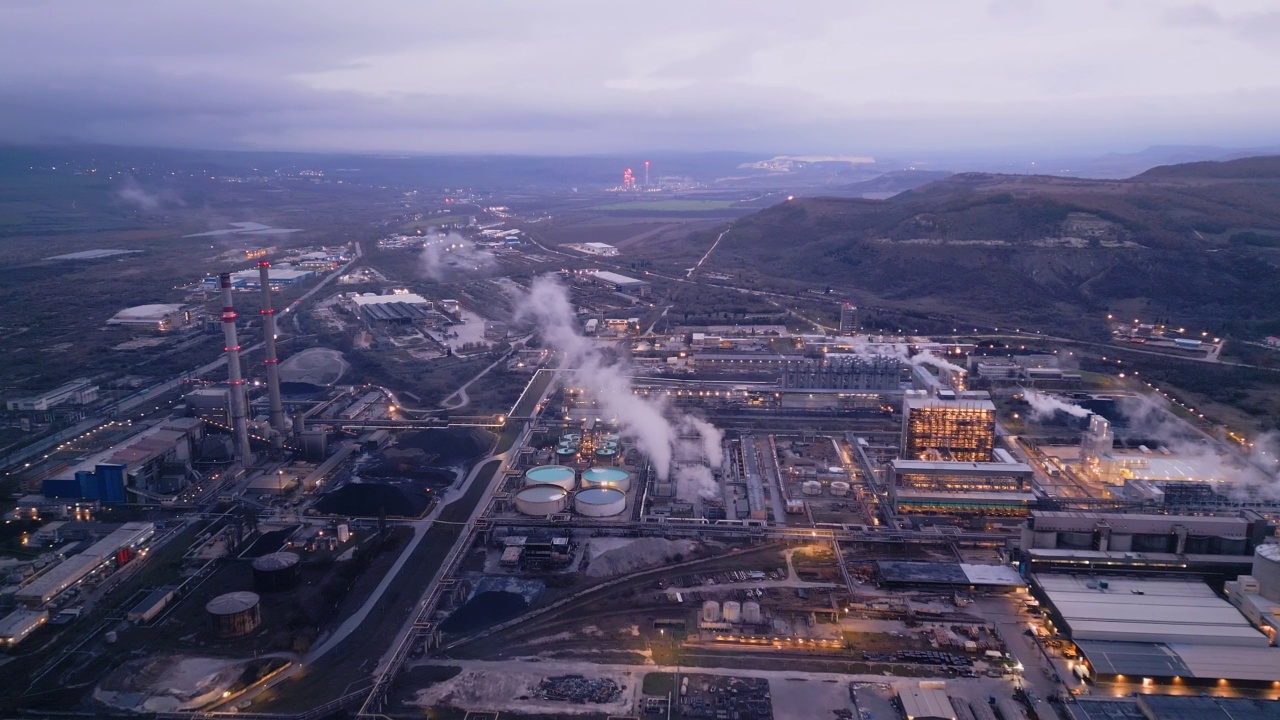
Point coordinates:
[(609, 477), (1266, 570), (732, 611), (276, 572), (811, 487), (606, 455), (751, 613), (542, 500), (566, 453), (600, 502), (571, 438), (839, 488), (557, 475), (711, 611), (234, 615)]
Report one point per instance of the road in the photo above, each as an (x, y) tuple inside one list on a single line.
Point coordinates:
[(710, 250)]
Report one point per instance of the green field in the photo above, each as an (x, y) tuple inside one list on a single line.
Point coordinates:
[(671, 205)]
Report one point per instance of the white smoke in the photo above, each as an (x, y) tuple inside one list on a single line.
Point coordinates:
[(451, 254), (1044, 406), (642, 420), (134, 195), (696, 481), (928, 358), (710, 437)]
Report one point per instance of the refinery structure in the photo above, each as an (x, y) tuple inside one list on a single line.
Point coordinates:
[(724, 508)]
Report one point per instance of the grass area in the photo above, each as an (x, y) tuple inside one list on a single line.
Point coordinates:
[(670, 205), (658, 684)]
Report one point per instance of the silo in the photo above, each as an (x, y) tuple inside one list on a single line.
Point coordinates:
[(607, 477), (276, 572), (600, 502), (557, 475), (751, 613), (711, 611), (1266, 570), (732, 611), (839, 488), (811, 487), (234, 615), (542, 500)]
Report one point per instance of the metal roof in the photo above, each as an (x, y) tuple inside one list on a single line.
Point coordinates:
[(919, 703)]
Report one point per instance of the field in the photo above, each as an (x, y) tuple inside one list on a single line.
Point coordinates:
[(672, 205)]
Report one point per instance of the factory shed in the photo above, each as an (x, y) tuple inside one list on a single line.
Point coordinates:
[(920, 703), (1209, 664), (17, 625), (151, 605), (1145, 610), (1174, 707), (907, 573)]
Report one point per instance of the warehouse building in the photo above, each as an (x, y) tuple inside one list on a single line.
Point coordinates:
[(76, 392), (17, 625), (155, 461), (620, 283), (1157, 631), (1257, 594), (120, 544), (925, 703), (1125, 543), (161, 318)]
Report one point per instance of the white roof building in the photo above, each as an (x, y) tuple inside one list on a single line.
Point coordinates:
[(155, 317)]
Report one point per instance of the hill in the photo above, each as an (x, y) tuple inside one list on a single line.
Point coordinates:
[(892, 183), (1190, 241)]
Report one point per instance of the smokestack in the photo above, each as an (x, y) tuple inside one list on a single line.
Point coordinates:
[(239, 401), (269, 337)]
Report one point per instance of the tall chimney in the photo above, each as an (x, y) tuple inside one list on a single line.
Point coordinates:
[(269, 337), (239, 400)]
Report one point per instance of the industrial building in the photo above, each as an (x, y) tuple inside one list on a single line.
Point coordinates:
[(987, 488), (279, 276), (1257, 594), (598, 248), (42, 589), (925, 703), (76, 392), (153, 463), (161, 318), (1111, 543), (848, 318), (152, 605), (620, 283), (843, 372), (961, 429), (1157, 630), (211, 403), (17, 625)]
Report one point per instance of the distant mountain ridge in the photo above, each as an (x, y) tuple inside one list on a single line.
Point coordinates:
[(1193, 239)]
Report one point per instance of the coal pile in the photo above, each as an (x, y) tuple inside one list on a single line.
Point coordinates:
[(447, 446), (485, 609), (396, 464), (376, 499)]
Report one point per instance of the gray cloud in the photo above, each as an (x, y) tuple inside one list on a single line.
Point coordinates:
[(559, 76)]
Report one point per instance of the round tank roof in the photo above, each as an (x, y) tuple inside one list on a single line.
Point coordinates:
[(145, 312), (566, 451), (604, 475), (541, 493), (232, 603), (549, 474), (276, 561), (1270, 551), (599, 496)]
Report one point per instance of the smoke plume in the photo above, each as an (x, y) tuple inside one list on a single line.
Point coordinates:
[(451, 254), (643, 420), (928, 358), (135, 196), (696, 481), (1044, 406)]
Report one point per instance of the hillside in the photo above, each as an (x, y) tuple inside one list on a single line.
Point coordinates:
[(1194, 241)]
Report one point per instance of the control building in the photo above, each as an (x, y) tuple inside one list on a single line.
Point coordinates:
[(961, 429), (1107, 543), (965, 488)]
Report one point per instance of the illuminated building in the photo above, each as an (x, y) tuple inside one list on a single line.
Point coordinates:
[(962, 429)]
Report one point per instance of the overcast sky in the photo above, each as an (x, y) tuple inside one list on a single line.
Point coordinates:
[(546, 76)]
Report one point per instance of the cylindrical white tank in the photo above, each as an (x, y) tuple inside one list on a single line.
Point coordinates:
[(839, 488), (542, 500), (751, 613), (811, 487), (609, 477), (711, 611), (557, 475), (600, 502), (732, 611), (1266, 569)]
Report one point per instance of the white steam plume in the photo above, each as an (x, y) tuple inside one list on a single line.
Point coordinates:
[(928, 358), (642, 420), (696, 481), (1044, 406), (134, 195), (448, 255)]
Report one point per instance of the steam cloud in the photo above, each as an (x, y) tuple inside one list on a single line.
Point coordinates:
[(134, 195), (1044, 406), (643, 421), (928, 358), (443, 256)]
